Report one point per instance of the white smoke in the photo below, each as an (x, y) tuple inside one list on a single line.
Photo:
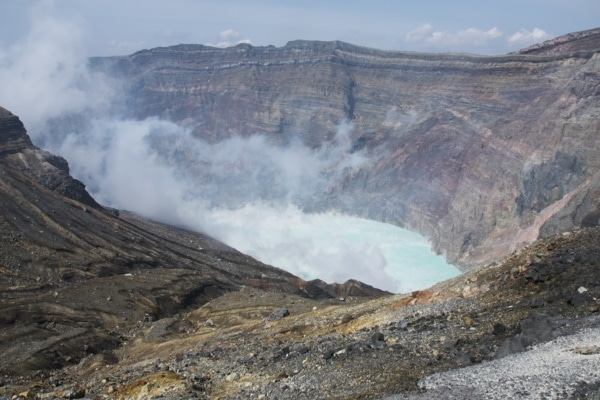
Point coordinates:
[(247, 192), (241, 190), (115, 161), (45, 75), (237, 171)]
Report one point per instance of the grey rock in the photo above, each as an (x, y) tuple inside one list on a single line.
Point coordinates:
[(537, 303), (578, 299), (535, 329), (378, 339), (402, 324), (278, 314), (346, 318), (499, 329)]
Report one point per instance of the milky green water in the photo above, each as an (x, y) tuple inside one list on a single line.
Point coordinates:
[(332, 247), (409, 259)]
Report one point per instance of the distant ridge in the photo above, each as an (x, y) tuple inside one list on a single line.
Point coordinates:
[(68, 262), (571, 43)]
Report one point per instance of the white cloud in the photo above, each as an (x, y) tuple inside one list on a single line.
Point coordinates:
[(477, 36), (419, 34), (229, 34), (427, 35), (524, 36), (228, 38)]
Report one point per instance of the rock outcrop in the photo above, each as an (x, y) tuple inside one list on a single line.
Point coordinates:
[(466, 338), (47, 169), (479, 154), (13, 140)]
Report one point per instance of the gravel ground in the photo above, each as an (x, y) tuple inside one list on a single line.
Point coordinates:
[(554, 370)]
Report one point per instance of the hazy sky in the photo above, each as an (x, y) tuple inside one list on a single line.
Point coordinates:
[(112, 27)]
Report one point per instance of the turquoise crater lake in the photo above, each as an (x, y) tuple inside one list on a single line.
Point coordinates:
[(331, 246)]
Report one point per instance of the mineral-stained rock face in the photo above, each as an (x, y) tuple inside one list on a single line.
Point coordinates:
[(476, 153)]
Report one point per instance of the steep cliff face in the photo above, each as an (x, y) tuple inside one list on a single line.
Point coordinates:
[(47, 169), (479, 154)]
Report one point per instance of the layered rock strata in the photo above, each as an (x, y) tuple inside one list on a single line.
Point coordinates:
[(479, 154)]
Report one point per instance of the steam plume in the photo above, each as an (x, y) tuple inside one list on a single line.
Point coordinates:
[(246, 191)]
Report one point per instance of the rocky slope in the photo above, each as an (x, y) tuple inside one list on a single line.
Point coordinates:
[(439, 343), (479, 154), (74, 275), (101, 304), (570, 43), (98, 303)]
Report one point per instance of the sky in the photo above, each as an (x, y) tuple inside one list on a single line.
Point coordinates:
[(119, 27)]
